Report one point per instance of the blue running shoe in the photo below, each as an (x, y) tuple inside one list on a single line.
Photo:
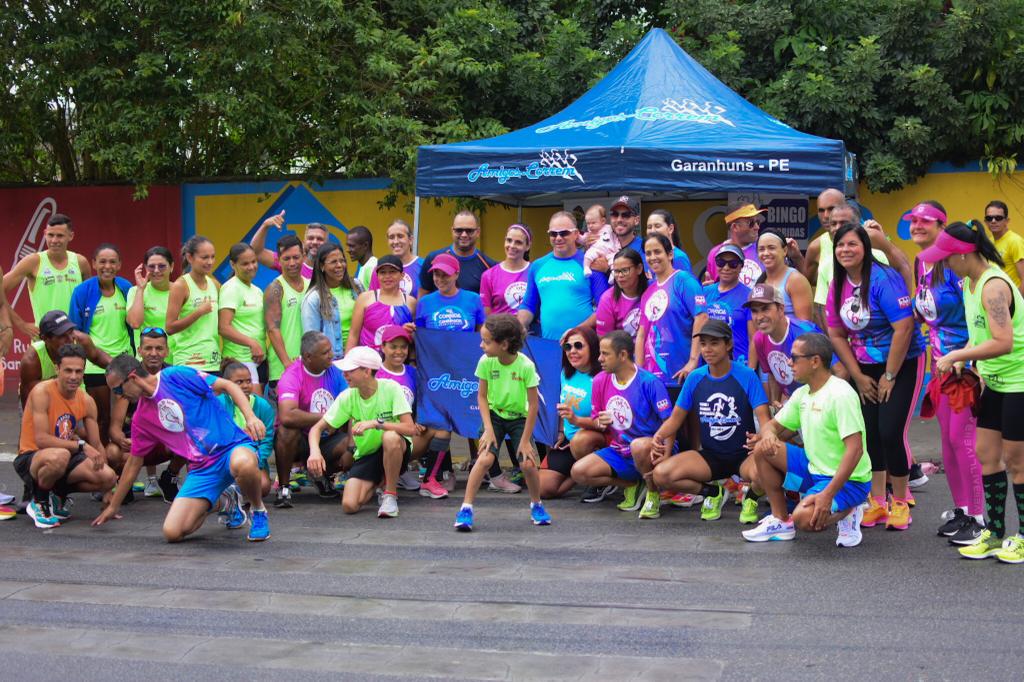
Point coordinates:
[(61, 508), (236, 515), (539, 515), (260, 528), (464, 520)]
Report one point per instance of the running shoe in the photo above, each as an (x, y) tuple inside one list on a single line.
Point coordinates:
[(284, 498), (711, 510), (6, 499), (152, 488), (260, 528), (234, 511), (539, 514), (388, 506), (748, 513), (408, 480), (969, 534), (299, 477), (899, 516), (686, 500), (633, 497), (168, 483), (41, 514), (138, 486), (955, 519), (7, 513), (917, 477), (875, 514), (1012, 551), (448, 480), (770, 529), (464, 520), (985, 546), (501, 484), (61, 508), (340, 479), (593, 495), (516, 476), (911, 501), (652, 506), (736, 490), (849, 528), (432, 489), (325, 489)]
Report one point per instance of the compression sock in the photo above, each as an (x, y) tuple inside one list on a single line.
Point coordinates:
[(995, 486), (710, 490), (1018, 493)]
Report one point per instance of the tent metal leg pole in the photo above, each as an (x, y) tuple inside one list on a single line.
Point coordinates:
[(519, 213), (416, 225)]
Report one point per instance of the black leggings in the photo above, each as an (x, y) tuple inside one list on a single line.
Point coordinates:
[(887, 423)]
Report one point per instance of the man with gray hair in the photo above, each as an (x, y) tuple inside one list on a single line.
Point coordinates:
[(305, 392), (832, 470)]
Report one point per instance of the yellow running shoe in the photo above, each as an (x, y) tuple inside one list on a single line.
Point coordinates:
[(985, 546), (1012, 551)]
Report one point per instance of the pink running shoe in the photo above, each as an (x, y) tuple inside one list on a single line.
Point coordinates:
[(432, 489)]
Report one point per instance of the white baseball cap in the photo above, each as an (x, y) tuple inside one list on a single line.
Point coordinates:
[(360, 356)]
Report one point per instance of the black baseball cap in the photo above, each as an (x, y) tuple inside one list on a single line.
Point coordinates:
[(715, 328), (390, 260), (55, 323)]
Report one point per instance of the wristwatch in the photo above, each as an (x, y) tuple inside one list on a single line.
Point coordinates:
[(889, 376), (381, 422), (81, 444)]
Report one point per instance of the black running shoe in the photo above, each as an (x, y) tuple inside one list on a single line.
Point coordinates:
[(917, 476), (954, 523), (970, 532), (168, 483), (324, 488), (594, 495)]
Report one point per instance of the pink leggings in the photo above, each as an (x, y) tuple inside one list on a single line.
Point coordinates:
[(963, 472)]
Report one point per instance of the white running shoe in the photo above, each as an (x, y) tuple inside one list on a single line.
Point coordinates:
[(849, 528), (501, 484), (770, 528), (388, 507), (152, 488)]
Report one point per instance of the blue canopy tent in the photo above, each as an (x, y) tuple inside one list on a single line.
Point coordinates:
[(659, 124)]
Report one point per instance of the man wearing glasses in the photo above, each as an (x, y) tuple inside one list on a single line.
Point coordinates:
[(624, 217), (472, 261), (1009, 244), (558, 293), (743, 223), (177, 409)]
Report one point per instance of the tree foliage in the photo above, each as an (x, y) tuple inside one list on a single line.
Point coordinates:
[(148, 91)]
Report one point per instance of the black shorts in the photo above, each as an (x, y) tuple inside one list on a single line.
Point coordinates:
[(23, 465), (95, 380), (327, 446), (1002, 412), (722, 467), (371, 467), (559, 460)]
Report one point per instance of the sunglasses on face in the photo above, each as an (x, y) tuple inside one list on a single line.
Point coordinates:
[(621, 214), (576, 345), (119, 390), (464, 230), (555, 234), (727, 262), (994, 218)]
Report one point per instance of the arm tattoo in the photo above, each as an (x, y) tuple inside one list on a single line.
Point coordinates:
[(273, 305), (999, 310)]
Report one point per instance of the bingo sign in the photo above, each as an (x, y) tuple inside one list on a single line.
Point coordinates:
[(786, 213)]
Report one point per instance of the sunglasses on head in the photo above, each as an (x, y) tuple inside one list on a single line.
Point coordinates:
[(727, 262), (994, 218), (575, 345), (621, 214)]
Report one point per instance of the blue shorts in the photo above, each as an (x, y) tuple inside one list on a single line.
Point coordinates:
[(622, 467), (210, 481), (799, 479)]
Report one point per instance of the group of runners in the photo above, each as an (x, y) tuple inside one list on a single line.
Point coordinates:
[(781, 379)]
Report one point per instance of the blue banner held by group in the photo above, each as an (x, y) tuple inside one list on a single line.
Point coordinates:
[(447, 385)]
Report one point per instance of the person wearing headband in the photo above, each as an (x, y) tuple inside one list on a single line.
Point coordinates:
[(1008, 243), (788, 281), (503, 285), (995, 312), (939, 302)]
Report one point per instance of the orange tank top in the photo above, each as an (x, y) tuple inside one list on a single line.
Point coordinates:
[(63, 416)]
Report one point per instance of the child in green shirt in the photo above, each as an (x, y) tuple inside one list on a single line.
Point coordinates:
[(508, 407)]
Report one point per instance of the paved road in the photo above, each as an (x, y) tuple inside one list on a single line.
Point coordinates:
[(598, 595)]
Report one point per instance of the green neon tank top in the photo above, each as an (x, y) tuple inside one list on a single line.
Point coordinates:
[(247, 302), (1004, 374), (198, 346), (108, 330), (291, 326), (53, 287)]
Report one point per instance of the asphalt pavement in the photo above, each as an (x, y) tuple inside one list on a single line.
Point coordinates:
[(598, 595)]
